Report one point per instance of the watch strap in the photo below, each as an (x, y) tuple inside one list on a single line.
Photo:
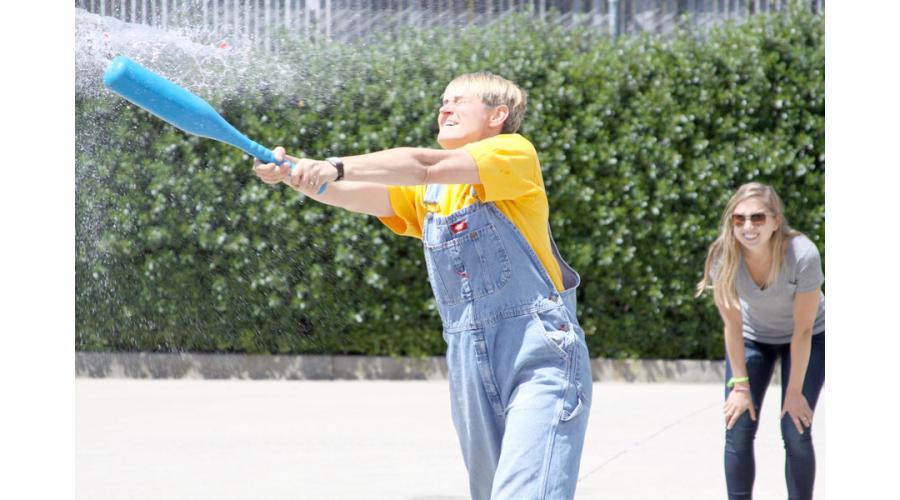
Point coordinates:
[(339, 165)]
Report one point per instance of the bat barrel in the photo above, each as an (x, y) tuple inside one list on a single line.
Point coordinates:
[(169, 101), (177, 106)]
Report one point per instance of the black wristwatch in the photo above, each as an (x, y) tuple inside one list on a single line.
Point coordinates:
[(339, 165)]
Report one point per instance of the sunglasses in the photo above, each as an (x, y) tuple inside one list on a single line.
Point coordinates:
[(757, 219)]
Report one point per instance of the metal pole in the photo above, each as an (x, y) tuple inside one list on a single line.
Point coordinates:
[(266, 42), (614, 18), (236, 18), (287, 15), (249, 7), (630, 14), (224, 24), (248, 16), (328, 19)]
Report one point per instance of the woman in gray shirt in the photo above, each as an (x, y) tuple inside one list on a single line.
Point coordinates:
[(766, 280)]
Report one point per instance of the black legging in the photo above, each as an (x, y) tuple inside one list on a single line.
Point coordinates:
[(800, 460)]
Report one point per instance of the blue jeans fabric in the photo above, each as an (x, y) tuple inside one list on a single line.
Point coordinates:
[(800, 459), (518, 366)]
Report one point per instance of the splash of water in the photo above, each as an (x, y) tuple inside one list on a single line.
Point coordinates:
[(192, 56), (98, 39), (206, 64)]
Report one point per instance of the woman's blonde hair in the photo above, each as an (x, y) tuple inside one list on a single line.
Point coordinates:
[(493, 90), (723, 259)]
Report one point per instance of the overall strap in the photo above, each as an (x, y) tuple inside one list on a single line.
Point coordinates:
[(571, 278), (435, 192), (433, 195)]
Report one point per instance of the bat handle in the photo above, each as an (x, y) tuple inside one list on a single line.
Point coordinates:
[(267, 156)]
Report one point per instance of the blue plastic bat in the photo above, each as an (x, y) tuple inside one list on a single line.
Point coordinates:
[(178, 106)]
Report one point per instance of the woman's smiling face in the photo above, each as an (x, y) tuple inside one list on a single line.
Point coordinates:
[(753, 224)]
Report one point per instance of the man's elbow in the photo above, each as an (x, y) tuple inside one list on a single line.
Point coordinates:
[(451, 167), (423, 163)]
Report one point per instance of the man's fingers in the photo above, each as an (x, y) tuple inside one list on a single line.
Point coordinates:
[(296, 174), (263, 170), (296, 181), (271, 173)]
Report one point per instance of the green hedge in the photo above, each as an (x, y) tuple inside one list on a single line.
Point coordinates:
[(642, 140)]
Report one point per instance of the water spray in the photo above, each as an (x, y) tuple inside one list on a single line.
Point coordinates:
[(179, 107)]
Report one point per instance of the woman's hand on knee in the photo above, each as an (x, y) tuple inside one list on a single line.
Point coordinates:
[(739, 401), (797, 407)]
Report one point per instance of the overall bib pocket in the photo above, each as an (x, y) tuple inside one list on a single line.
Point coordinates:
[(467, 266)]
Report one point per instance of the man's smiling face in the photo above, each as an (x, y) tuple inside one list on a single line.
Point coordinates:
[(462, 119)]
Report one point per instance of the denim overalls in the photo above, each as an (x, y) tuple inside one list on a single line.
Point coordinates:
[(520, 375)]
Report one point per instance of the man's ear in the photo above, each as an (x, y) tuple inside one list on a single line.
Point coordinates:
[(499, 115)]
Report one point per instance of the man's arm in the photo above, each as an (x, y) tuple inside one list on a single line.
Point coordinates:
[(391, 167), (366, 177), (413, 166), (362, 197)]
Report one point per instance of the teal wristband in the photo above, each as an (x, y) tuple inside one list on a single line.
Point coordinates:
[(735, 380)]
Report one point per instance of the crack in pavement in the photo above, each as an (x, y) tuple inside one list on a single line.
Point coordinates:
[(641, 442)]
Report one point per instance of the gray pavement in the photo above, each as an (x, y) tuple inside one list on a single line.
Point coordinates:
[(240, 439)]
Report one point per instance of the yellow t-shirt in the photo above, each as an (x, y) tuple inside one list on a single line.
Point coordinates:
[(510, 178)]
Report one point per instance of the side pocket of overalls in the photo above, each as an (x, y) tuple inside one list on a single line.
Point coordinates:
[(578, 398), (563, 337), (582, 379), (558, 333)]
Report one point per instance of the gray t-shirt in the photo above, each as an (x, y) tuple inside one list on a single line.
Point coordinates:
[(768, 315)]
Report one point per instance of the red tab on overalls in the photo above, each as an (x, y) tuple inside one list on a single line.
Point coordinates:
[(459, 227)]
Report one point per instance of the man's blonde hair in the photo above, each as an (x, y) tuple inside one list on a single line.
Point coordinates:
[(493, 90)]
